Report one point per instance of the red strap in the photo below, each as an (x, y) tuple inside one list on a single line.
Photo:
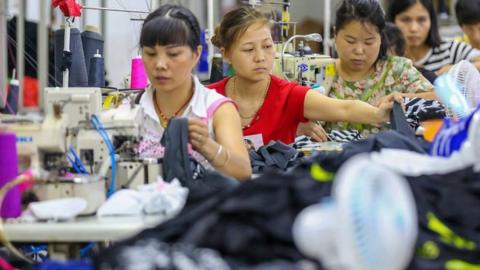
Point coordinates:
[(69, 8)]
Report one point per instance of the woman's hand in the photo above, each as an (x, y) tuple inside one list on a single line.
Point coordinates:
[(203, 144), (443, 69), (198, 136), (313, 130), (386, 104)]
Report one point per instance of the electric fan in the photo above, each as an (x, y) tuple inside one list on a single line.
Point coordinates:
[(369, 223), (459, 89)]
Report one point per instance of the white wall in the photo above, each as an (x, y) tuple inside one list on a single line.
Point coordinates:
[(32, 9), (310, 8), (121, 40)]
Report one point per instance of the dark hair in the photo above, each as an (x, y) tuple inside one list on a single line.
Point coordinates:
[(395, 38), (364, 11), (399, 6), (170, 25), (234, 24), (467, 11)]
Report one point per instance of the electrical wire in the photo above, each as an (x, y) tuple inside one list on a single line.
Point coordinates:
[(72, 162), (84, 251), (78, 160), (103, 133)]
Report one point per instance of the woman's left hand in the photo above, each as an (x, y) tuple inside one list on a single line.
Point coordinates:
[(386, 104), (443, 70)]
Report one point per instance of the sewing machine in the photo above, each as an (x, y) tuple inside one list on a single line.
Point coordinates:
[(124, 129), (313, 70), (48, 143)]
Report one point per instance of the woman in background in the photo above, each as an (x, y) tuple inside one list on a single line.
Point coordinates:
[(397, 47), (417, 20), (170, 45)]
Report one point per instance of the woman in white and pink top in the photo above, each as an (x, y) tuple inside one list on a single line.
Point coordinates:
[(170, 44)]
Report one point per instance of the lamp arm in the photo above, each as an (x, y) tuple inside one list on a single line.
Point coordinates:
[(283, 51)]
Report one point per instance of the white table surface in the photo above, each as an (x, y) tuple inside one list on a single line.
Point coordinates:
[(83, 229)]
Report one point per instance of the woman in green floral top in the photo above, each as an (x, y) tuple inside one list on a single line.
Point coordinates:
[(363, 69), (392, 74), (389, 75)]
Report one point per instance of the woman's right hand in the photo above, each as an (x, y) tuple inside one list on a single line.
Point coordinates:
[(386, 105), (200, 139), (312, 130)]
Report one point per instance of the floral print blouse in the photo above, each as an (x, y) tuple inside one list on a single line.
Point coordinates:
[(391, 74)]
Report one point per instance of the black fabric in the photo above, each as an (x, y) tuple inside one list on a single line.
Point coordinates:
[(154, 254), (249, 225), (177, 163), (176, 160), (332, 161), (398, 121), (453, 199), (274, 156)]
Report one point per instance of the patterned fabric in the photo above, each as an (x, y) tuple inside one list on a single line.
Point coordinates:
[(390, 75), (340, 136), (345, 135), (418, 110)]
